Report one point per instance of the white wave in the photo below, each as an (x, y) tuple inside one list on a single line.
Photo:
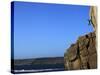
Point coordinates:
[(34, 70)]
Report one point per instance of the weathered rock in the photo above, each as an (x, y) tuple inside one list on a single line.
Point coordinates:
[(76, 64), (82, 54), (93, 61), (72, 52), (93, 17)]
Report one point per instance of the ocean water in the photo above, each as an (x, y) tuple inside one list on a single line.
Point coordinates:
[(38, 68)]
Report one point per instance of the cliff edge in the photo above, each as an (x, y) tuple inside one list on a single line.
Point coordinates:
[(82, 54)]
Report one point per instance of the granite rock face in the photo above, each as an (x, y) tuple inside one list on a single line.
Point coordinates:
[(82, 54)]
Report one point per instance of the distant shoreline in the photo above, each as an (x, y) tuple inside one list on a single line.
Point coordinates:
[(36, 58), (38, 65)]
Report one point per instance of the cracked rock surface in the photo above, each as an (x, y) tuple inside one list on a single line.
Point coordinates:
[(82, 54)]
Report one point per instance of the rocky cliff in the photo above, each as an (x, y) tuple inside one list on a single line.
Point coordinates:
[(82, 54)]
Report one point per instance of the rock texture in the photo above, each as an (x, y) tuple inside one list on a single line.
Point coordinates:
[(93, 17), (82, 54)]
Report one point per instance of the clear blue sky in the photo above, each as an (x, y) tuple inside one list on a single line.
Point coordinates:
[(47, 30)]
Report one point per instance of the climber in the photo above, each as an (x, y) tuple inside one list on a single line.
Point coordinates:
[(89, 22)]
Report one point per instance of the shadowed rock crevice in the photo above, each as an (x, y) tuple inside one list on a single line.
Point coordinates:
[(88, 66)]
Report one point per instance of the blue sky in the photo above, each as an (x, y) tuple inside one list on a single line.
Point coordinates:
[(47, 30)]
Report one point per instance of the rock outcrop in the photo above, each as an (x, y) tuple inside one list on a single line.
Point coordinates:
[(93, 17), (82, 54)]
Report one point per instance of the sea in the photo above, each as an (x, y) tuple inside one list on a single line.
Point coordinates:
[(37, 68)]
